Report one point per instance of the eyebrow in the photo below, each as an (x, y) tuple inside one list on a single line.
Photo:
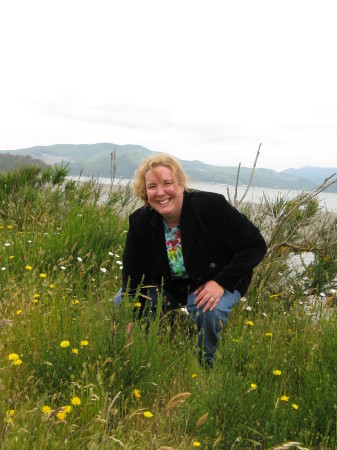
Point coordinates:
[(161, 181)]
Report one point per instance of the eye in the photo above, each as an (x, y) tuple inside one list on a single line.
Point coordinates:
[(151, 187)]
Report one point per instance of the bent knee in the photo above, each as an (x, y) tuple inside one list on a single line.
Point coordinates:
[(216, 318)]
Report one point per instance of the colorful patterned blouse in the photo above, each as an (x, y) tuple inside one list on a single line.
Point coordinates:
[(174, 251)]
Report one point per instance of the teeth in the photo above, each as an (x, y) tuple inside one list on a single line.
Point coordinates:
[(163, 202)]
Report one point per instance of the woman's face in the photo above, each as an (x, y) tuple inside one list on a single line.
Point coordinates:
[(164, 194)]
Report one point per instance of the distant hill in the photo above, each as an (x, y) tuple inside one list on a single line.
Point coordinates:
[(316, 174), (95, 160)]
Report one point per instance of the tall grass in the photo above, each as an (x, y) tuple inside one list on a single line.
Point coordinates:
[(75, 379)]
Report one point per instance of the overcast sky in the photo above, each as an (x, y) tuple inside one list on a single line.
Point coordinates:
[(207, 80)]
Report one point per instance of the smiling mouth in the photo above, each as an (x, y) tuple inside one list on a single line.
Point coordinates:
[(164, 202)]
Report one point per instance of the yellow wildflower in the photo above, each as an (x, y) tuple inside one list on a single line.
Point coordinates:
[(10, 227), (19, 311), (65, 344), (43, 275), (75, 401), (10, 413), (11, 257), (74, 302), (52, 286), (74, 351), (196, 444), (36, 295), (268, 334), (277, 372), (284, 398), (136, 393), (148, 415), (29, 267), (273, 296), (249, 322), (194, 375), (61, 415), (13, 357), (46, 409), (235, 340), (253, 386), (294, 406), (84, 343), (138, 305), (67, 409), (17, 362)]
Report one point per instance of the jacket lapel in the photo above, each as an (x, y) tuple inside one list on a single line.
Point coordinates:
[(159, 245), (188, 227)]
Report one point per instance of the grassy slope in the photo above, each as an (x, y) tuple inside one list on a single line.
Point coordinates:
[(60, 259)]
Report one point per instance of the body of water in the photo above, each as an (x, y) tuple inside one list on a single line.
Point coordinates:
[(255, 194)]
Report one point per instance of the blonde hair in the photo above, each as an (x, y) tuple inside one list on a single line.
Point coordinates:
[(162, 159)]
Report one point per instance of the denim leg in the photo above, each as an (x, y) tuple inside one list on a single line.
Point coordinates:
[(119, 298), (210, 323)]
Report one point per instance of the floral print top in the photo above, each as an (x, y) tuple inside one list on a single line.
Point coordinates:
[(174, 251)]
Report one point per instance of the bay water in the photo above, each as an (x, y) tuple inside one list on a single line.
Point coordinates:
[(327, 200)]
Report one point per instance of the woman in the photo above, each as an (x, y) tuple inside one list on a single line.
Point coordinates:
[(194, 244)]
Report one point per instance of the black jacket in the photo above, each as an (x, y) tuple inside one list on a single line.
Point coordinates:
[(218, 243)]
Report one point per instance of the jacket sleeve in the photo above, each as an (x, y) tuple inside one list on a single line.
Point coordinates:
[(245, 241), (136, 255)]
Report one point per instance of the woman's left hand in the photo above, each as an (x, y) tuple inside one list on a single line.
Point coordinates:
[(208, 295)]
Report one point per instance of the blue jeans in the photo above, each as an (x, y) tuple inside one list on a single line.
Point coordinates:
[(209, 323)]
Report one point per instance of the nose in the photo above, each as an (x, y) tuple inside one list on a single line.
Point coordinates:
[(160, 190)]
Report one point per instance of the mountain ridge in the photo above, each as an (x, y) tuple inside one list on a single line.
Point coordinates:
[(95, 160)]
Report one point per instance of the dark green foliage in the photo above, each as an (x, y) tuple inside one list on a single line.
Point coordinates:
[(21, 188), (14, 161)]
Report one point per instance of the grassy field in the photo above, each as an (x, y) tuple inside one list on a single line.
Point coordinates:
[(70, 377)]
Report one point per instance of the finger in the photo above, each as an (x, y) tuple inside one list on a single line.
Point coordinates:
[(214, 305), (198, 299), (210, 303), (198, 290), (202, 299), (201, 296)]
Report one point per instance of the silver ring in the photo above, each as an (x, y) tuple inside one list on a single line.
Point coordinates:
[(212, 299)]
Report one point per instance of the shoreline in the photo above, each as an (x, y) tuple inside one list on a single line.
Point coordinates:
[(221, 189), (327, 200)]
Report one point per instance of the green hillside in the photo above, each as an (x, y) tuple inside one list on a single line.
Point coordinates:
[(95, 160)]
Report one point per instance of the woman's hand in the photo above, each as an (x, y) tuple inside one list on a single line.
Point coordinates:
[(208, 295)]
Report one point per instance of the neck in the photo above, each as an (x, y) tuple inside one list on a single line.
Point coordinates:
[(171, 223)]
